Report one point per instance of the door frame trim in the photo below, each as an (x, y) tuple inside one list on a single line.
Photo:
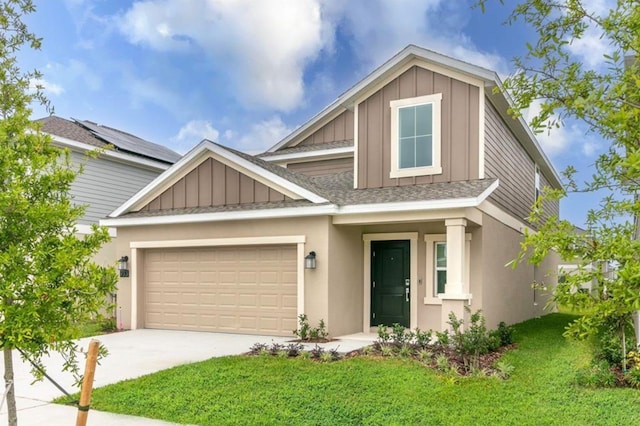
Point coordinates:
[(412, 237), (137, 269)]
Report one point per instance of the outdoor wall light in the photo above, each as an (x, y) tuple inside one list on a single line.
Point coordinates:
[(123, 266), (310, 260)]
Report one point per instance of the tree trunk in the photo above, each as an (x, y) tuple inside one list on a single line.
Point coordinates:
[(12, 413)]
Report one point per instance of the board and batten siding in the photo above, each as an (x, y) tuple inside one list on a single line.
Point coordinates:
[(459, 129), (507, 160), (104, 185), (323, 167), (214, 184), (338, 129)]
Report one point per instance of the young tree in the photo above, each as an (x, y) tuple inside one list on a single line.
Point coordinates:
[(48, 283), (606, 99)]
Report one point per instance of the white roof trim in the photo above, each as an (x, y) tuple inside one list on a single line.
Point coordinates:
[(221, 216), (332, 152), (328, 209), (81, 146), (194, 155), (86, 229), (404, 55)]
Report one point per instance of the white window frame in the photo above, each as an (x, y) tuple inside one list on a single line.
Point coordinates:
[(436, 166), (437, 268), (431, 296)]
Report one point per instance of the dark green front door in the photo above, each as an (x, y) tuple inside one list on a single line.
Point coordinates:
[(390, 272)]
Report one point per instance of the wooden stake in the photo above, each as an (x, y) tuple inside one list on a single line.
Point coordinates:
[(87, 383)]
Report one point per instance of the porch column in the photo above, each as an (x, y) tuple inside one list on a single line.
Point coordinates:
[(456, 293)]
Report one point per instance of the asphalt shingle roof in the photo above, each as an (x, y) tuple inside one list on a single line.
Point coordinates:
[(101, 136), (310, 148)]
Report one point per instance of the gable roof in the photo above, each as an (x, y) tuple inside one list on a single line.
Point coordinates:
[(293, 185), (404, 58), (100, 136)]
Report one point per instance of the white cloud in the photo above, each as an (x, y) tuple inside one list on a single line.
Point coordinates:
[(46, 86), (559, 140), (263, 135), (196, 130), (592, 46), (264, 46), (380, 29)]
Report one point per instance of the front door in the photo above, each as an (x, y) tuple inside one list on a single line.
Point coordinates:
[(390, 283)]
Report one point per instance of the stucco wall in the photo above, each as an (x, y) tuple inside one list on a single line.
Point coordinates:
[(314, 228), (507, 293)]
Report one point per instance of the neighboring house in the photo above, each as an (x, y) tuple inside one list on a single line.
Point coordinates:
[(127, 164), (411, 190)]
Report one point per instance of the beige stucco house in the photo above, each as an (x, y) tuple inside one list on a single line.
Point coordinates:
[(411, 189)]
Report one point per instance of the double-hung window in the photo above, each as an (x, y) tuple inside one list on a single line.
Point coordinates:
[(415, 136)]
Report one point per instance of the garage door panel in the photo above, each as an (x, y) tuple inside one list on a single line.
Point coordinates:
[(229, 289)]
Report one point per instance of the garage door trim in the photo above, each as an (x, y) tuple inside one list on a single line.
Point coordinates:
[(135, 246)]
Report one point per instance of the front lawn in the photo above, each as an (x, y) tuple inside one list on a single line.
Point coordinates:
[(269, 390)]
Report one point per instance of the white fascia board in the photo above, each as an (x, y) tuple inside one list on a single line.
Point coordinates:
[(400, 58), (80, 146), (319, 154), (282, 182), (222, 216)]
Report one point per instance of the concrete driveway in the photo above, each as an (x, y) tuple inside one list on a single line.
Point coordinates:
[(132, 354)]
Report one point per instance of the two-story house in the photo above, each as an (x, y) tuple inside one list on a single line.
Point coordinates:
[(400, 202)]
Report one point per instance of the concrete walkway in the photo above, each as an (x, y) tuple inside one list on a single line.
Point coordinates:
[(133, 354)]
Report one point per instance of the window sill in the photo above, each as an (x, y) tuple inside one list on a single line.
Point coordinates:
[(432, 301), (417, 171)]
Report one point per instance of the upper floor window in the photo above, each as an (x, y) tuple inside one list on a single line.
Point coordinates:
[(415, 136)]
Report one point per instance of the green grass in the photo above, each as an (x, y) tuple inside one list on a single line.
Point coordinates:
[(95, 328), (368, 391)]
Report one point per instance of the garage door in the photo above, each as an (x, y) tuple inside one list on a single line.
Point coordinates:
[(226, 289)]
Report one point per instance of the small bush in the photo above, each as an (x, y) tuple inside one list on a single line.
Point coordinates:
[(294, 349), (275, 348), (305, 332), (423, 338), (425, 355), (442, 338), (383, 334), (473, 341), (335, 355), (405, 351), (505, 333), (388, 350), (258, 348), (400, 335), (316, 352), (504, 370), (597, 375), (633, 377)]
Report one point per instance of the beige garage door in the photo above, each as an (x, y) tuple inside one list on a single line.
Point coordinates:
[(226, 289)]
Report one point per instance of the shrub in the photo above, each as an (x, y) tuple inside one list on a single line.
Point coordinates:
[(294, 349), (305, 332), (442, 338), (383, 334), (504, 333), (472, 342), (258, 348), (405, 351), (633, 377), (504, 370), (423, 338), (316, 352), (597, 375), (399, 335)]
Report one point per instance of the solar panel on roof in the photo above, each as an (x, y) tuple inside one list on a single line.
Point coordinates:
[(126, 142)]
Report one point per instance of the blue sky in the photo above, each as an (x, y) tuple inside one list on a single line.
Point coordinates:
[(247, 72)]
